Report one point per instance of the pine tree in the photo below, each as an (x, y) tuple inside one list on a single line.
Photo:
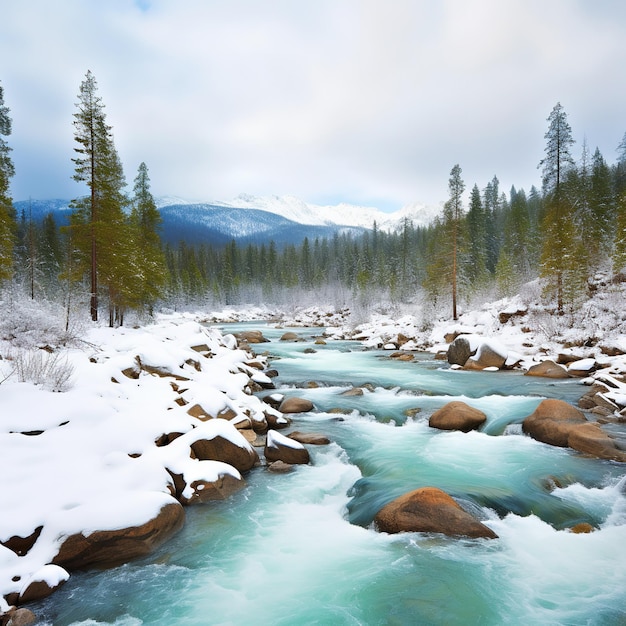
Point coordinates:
[(558, 157), (492, 210), (101, 237), (448, 243), (517, 242), (145, 221), (477, 231), (559, 245), (619, 242), (598, 234), (7, 214)]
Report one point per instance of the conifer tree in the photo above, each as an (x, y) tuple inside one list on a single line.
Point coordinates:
[(559, 232), (477, 230), (145, 221), (7, 214), (619, 243), (100, 237), (448, 243)]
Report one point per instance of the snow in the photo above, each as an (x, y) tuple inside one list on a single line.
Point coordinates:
[(276, 439), (342, 214), (66, 457), (78, 475)]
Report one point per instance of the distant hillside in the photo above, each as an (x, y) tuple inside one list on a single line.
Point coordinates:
[(206, 223), (196, 223)]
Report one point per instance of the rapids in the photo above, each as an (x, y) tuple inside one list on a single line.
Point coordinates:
[(300, 548)]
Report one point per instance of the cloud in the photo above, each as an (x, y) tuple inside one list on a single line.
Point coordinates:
[(356, 100)]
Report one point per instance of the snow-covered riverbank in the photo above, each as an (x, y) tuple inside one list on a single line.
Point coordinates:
[(78, 424), (84, 459)]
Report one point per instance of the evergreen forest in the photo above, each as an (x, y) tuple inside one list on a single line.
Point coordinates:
[(109, 258)]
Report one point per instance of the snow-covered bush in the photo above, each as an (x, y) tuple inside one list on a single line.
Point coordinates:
[(51, 371)]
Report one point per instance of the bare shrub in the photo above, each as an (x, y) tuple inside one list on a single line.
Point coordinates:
[(39, 367)]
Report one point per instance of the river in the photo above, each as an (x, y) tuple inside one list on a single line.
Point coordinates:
[(300, 549)]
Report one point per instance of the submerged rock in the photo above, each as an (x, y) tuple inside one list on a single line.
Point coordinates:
[(457, 415), (19, 617), (315, 439), (430, 510), (295, 405)]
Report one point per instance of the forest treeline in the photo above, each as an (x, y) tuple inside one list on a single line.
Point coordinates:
[(111, 253)]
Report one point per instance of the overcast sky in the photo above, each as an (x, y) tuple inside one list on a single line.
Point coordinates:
[(366, 101)]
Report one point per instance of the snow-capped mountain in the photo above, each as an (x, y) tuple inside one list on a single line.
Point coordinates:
[(343, 214), (282, 219)]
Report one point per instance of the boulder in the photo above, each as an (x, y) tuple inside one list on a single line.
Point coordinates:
[(281, 448), (235, 451), (109, 548), (457, 415), (487, 355), (314, 439), (354, 391), (459, 351), (559, 424), (21, 545), (251, 336), (547, 369), (430, 510), (42, 583), (200, 491), (552, 422), (19, 617), (289, 336), (590, 439), (280, 467), (295, 405)]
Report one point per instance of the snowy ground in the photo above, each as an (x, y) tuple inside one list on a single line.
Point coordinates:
[(84, 416), (69, 424)]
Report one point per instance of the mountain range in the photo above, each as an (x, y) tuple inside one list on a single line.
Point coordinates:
[(283, 219)]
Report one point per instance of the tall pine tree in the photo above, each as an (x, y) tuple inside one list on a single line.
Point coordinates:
[(7, 215), (558, 228), (99, 234)]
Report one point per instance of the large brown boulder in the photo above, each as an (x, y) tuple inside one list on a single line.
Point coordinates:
[(222, 448), (459, 351), (430, 510), (281, 448), (547, 369), (295, 405), (560, 424), (552, 422), (109, 548), (486, 356), (457, 415)]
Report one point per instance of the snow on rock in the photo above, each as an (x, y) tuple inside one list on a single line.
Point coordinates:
[(281, 448), (86, 462)]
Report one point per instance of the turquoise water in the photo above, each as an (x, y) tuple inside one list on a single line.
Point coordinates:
[(300, 548)]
